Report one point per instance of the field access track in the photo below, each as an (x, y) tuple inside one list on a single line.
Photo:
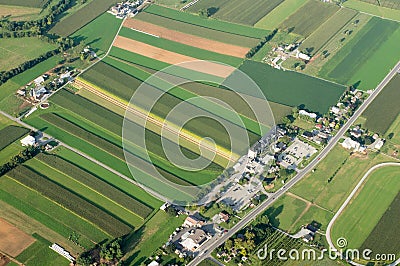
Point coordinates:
[(188, 39)]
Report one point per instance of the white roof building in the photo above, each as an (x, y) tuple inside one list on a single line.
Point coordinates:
[(348, 143), (39, 80), (379, 144), (251, 154), (28, 141), (304, 112)]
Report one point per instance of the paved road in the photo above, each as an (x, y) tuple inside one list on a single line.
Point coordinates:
[(353, 192), (216, 241)]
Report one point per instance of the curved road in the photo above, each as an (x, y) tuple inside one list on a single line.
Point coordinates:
[(346, 202), (208, 247)]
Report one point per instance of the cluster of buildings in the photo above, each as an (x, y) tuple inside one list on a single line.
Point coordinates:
[(285, 51), (125, 9)]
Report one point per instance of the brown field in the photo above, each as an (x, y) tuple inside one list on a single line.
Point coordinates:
[(171, 57), (188, 39), (12, 240), (18, 12)]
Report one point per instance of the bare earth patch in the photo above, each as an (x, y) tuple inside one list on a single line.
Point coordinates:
[(12, 240), (172, 57), (188, 39)]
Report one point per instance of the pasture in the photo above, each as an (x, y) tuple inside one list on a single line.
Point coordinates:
[(80, 18), (309, 17), (278, 14), (379, 11), (26, 3), (383, 111), (209, 33), (15, 51), (94, 35), (18, 12), (347, 68), (237, 11), (292, 88), (214, 24), (363, 213), (324, 33)]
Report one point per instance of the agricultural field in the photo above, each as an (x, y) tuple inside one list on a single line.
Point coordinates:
[(27, 3), (189, 28), (324, 33), (18, 12), (15, 51), (383, 111), (394, 4), (380, 11), (278, 14), (237, 11), (214, 24), (368, 206), (90, 33), (291, 88), (81, 17), (309, 17), (347, 68), (10, 134)]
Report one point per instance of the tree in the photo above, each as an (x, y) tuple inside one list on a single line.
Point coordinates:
[(228, 244), (205, 12)]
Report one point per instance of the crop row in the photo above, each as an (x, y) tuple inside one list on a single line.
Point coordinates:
[(10, 134), (69, 200)]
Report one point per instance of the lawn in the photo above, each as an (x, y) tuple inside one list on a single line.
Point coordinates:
[(142, 243), (214, 24), (15, 51), (212, 34), (309, 17), (179, 47), (292, 88), (383, 111), (366, 209), (351, 65), (94, 35), (237, 11), (327, 30), (83, 16), (375, 10), (280, 13)]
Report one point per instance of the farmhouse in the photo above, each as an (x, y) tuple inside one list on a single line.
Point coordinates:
[(194, 239), (349, 144), (28, 141)]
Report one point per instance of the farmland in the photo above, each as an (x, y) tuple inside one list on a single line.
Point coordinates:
[(209, 33), (385, 3), (382, 112), (369, 205), (279, 14), (324, 33), (301, 89), (346, 68), (380, 11), (27, 3), (18, 12), (10, 134), (207, 23), (237, 11), (80, 18), (309, 17)]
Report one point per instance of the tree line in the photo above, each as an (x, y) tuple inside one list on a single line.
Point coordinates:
[(263, 41), (20, 158)]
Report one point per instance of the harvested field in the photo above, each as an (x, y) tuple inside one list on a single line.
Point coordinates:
[(188, 39), (170, 57), (12, 240)]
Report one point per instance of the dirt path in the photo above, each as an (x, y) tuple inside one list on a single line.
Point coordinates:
[(172, 57), (188, 39)]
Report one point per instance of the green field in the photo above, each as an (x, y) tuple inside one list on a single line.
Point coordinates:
[(279, 14), (291, 88), (27, 3), (10, 134), (179, 47), (94, 35), (309, 17), (39, 253), (15, 51), (394, 131), (381, 239), (207, 23), (375, 10), (382, 112), (237, 11), (83, 16), (367, 207), (325, 32), (394, 4), (351, 66), (193, 29)]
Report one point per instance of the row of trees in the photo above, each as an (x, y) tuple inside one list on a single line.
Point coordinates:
[(105, 254), (20, 158), (263, 41)]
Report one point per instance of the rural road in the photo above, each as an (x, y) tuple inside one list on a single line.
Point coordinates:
[(349, 198), (208, 247)]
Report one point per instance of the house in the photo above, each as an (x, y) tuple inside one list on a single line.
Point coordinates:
[(307, 238), (356, 132), (224, 217), (192, 221), (39, 80), (194, 240), (164, 206), (153, 263), (28, 141), (251, 154), (308, 134), (348, 143), (379, 144), (311, 115), (335, 110)]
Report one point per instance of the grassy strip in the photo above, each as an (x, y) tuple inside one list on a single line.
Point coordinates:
[(69, 200), (10, 134)]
